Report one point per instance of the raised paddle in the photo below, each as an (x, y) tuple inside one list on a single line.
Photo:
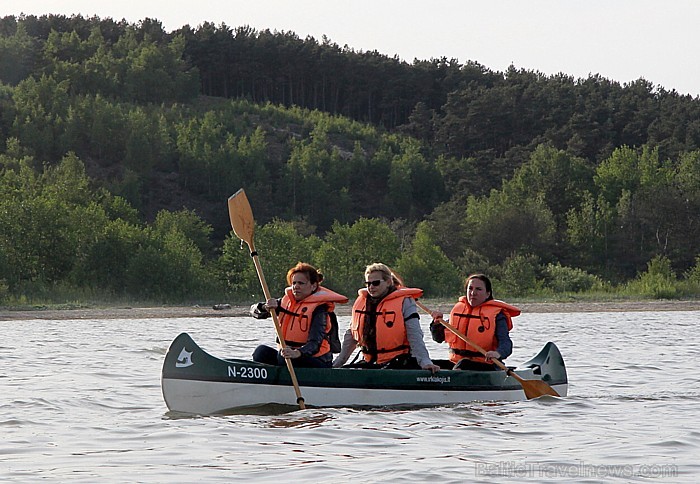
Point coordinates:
[(532, 388), (243, 226)]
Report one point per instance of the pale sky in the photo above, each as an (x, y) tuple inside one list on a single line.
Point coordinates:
[(621, 40)]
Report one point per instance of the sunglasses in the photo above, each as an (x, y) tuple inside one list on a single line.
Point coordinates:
[(373, 283)]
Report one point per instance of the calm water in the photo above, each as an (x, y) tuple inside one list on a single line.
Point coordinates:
[(80, 401)]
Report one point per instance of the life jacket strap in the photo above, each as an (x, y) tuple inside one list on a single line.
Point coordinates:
[(280, 309), (466, 353), (473, 316), (366, 350)]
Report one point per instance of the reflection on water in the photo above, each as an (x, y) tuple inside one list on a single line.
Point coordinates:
[(307, 420), (81, 401)]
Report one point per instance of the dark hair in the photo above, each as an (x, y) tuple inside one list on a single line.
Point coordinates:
[(315, 277), (484, 279)]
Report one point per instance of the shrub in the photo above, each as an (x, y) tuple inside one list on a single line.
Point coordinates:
[(518, 275), (562, 279), (691, 282), (658, 282)]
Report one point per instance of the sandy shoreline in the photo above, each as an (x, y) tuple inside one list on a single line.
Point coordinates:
[(210, 312)]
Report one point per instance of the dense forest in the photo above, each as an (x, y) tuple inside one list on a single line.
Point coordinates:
[(119, 144)]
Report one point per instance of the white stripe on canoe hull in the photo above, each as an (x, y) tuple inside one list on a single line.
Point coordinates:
[(205, 397)]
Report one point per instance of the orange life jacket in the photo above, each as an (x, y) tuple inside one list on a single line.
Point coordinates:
[(390, 326), (479, 325), (295, 316)]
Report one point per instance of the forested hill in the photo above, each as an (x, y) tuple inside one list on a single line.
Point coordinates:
[(586, 173)]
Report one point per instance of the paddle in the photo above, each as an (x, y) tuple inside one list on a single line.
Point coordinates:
[(532, 388), (243, 226)]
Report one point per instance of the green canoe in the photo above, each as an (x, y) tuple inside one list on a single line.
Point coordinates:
[(195, 382)]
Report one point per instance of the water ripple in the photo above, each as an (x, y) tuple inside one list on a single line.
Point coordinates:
[(79, 410)]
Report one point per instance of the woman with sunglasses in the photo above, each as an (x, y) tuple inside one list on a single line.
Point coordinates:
[(483, 320), (385, 324), (306, 318)]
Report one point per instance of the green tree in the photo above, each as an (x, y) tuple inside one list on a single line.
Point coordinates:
[(208, 157), (107, 262), (651, 208), (414, 184), (687, 181), (101, 73), (48, 220), (187, 222), (280, 246), (317, 180), (148, 144), (621, 171), (499, 227), (97, 128), (158, 73), (424, 265), (589, 229), (41, 106), (168, 267), (554, 176), (347, 249), (19, 55)]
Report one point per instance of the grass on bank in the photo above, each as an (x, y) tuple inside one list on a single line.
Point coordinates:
[(81, 299), (520, 283)]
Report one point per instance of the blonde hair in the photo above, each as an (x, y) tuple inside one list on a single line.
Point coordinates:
[(385, 270)]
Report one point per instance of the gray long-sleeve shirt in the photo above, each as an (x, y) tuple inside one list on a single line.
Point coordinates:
[(414, 334)]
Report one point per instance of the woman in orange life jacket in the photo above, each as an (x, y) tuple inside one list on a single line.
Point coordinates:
[(386, 325), (306, 318), (483, 320)]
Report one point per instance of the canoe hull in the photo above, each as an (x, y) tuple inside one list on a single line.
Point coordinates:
[(196, 382)]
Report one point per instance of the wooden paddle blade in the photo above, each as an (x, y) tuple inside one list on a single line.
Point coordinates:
[(537, 388), (241, 216)]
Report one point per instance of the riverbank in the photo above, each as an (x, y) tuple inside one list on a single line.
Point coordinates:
[(8, 314)]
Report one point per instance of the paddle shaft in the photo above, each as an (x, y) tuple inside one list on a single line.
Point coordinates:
[(278, 328), (243, 224), (532, 388)]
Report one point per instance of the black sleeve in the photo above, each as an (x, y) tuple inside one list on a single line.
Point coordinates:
[(437, 331), (258, 311)]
